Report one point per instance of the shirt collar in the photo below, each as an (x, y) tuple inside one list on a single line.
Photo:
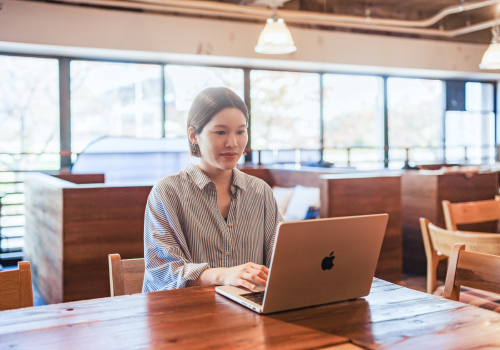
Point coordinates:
[(201, 180)]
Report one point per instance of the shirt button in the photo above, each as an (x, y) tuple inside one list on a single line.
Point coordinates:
[(229, 224), (227, 253)]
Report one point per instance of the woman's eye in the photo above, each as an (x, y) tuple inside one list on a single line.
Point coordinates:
[(241, 132), (220, 132)]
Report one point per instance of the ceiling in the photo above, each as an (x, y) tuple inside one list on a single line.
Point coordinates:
[(408, 10), (450, 20)]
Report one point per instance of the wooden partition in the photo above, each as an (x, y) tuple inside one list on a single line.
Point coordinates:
[(71, 228), (353, 194), (423, 193)]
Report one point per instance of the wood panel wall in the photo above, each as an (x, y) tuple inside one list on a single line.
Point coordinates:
[(82, 178), (423, 192), (353, 194), (364, 195), (43, 238), (71, 229)]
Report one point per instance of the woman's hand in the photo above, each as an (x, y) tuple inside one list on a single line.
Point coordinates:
[(247, 275)]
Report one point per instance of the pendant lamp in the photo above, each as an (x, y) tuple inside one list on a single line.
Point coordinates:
[(275, 37), (491, 58)]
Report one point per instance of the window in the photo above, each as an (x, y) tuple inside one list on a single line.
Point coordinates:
[(470, 135), (183, 83), (415, 119), (114, 99), (353, 115), (285, 110), (29, 120)]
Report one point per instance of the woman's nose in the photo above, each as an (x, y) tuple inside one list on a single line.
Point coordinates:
[(231, 142)]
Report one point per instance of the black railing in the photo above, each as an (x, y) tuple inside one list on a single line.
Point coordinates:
[(12, 174)]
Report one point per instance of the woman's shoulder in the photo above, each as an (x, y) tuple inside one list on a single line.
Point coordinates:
[(171, 184), (254, 183)]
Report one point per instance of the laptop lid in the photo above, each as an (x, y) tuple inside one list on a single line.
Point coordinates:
[(323, 261)]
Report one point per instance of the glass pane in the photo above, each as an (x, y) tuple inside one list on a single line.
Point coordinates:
[(478, 97), (285, 110), (114, 99), (353, 111), (183, 83), (470, 137), (415, 113), (29, 106)]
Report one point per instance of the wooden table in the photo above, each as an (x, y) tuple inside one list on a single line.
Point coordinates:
[(391, 317)]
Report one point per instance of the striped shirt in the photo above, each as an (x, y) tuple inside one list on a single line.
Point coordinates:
[(185, 233)]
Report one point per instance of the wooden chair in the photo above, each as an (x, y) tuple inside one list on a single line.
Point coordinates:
[(438, 242), (471, 269), (125, 276), (470, 212), (16, 290)]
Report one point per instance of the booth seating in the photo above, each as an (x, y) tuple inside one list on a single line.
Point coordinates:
[(422, 195), (351, 194)]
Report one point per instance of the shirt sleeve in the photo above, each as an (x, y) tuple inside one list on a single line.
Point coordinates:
[(166, 255), (272, 218)]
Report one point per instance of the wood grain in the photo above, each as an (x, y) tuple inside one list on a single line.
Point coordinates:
[(422, 196), (115, 275), (71, 229), (16, 290), (470, 212), (9, 290), (348, 195), (471, 269), (391, 317), (126, 276), (82, 178), (354, 194)]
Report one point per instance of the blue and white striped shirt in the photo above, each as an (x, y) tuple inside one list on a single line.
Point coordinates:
[(185, 233)]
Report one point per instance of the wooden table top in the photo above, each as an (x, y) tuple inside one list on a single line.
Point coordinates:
[(391, 317)]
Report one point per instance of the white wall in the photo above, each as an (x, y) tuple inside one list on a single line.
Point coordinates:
[(72, 30)]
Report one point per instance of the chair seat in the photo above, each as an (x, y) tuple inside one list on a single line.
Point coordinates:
[(486, 300)]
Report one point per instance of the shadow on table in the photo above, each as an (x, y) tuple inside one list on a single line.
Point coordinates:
[(350, 319)]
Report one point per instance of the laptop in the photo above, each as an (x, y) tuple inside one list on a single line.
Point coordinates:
[(317, 262)]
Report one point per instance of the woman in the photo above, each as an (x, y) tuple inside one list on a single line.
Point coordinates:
[(211, 223)]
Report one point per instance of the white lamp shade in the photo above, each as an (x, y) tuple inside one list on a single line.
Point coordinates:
[(275, 38), (491, 58)]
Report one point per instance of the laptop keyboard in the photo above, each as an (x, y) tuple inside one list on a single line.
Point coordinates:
[(256, 297)]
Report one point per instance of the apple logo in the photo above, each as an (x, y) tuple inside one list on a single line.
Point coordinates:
[(327, 262)]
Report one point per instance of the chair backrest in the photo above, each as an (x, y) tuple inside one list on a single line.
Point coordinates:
[(125, 276), (16, 290), (470, 212), (442, 240), (438, 243), (471, 269)]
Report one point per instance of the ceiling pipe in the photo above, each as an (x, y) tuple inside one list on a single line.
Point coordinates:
[(231, 11), (288, 15)]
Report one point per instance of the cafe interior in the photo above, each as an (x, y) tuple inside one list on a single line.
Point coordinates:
[(356, 108)]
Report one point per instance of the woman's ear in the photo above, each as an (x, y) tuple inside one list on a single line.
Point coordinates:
[(192, 135)]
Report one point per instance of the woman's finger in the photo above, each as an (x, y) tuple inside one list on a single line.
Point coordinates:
[(261, 268), (244, 283), (259, 273), (253, 278)]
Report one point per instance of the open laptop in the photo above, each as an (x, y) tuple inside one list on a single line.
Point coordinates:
[(317, 262)]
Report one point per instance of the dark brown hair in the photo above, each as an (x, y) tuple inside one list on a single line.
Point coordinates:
[(208, 103)]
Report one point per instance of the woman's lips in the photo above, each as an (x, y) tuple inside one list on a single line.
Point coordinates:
[(229, 155)]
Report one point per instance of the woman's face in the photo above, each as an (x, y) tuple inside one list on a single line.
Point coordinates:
[(222, 140)]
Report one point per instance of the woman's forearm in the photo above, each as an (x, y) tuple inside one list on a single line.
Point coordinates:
[(209, 276)]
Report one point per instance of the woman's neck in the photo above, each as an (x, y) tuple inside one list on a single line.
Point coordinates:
[(221, 178)]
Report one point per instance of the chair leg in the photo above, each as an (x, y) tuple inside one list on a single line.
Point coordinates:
[(432, 265)]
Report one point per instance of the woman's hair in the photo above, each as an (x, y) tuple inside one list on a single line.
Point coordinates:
[(208, 103)]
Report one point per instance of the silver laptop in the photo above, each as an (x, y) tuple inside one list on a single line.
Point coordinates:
[(317, 262)]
